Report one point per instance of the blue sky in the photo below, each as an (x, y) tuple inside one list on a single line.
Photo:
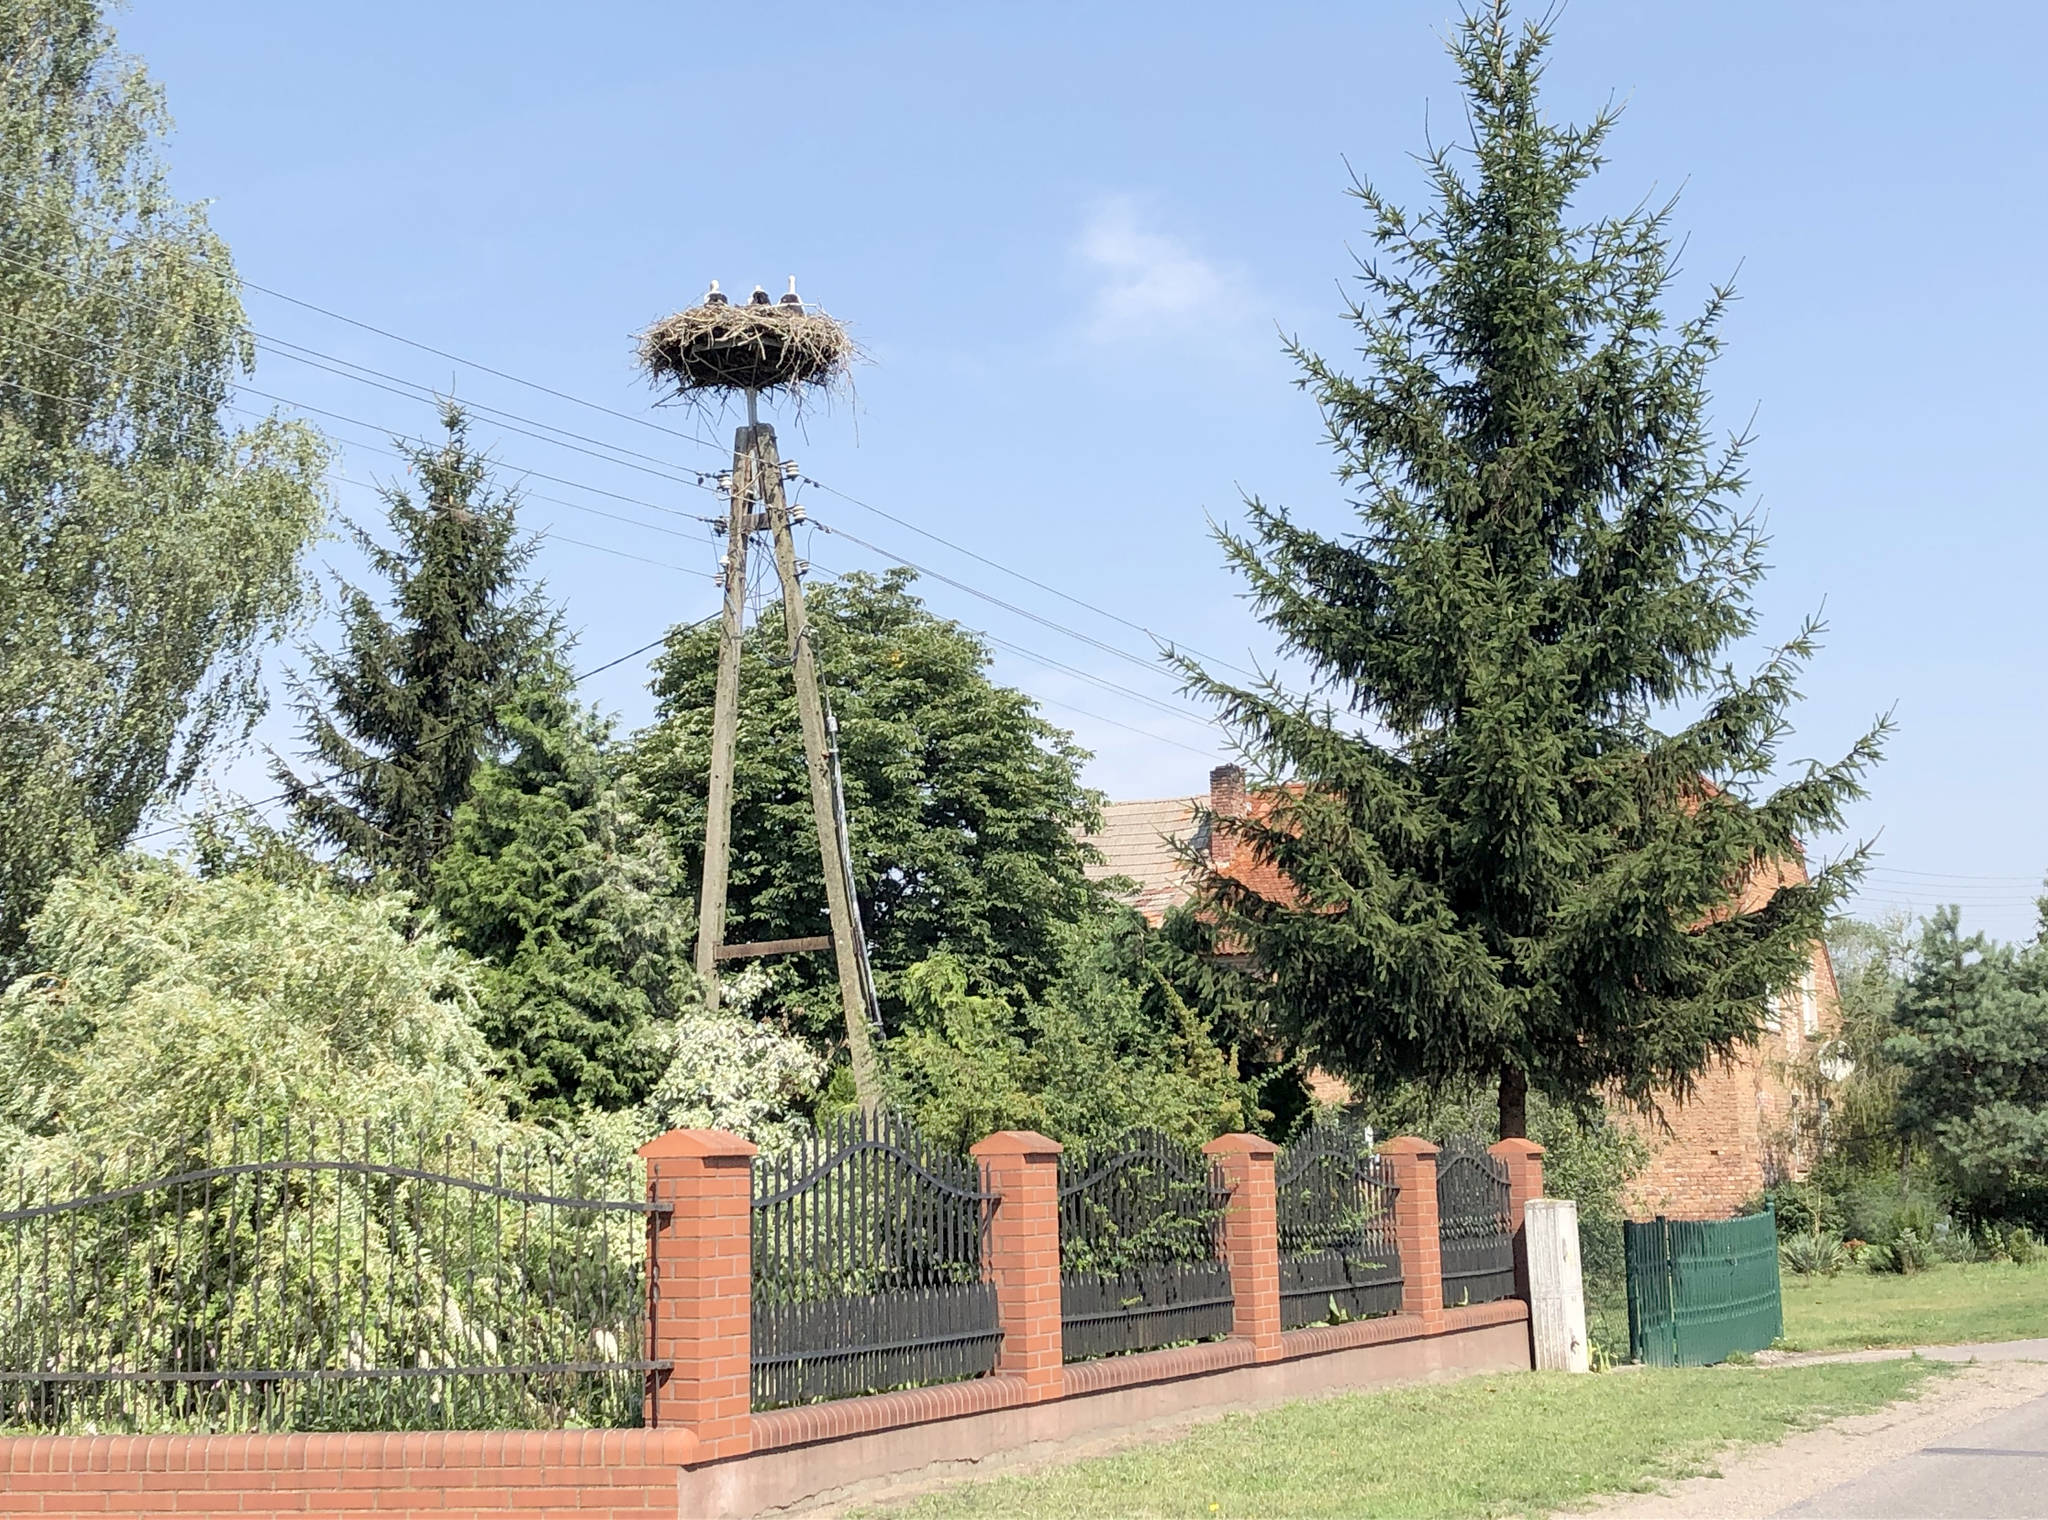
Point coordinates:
[(1069, 238)]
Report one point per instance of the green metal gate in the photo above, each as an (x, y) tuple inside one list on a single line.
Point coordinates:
[(1700, 1289)]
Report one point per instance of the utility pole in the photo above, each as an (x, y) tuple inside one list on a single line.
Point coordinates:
[(725, 716), (721, 348), (810, 707)]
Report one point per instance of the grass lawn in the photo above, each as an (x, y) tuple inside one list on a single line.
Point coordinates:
[(1949, 1302), (1514, 1444)]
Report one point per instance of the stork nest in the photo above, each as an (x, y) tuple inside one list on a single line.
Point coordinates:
[(742, 347)]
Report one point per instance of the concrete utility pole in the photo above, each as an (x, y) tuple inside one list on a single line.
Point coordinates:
[(757, 476)]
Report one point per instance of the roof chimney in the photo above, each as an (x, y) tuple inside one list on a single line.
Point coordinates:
[(1226, 800)]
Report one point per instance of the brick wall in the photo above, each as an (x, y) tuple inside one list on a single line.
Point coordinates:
[(1746, 1122), (620, 1474)]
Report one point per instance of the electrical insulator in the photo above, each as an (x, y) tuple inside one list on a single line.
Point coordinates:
[(803, 568), (721, 527), (718, 580), (725, 480), (789, 469), (797, 514)]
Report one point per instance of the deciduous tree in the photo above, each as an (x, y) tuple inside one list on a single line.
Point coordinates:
[(965, 805), (148, 551)]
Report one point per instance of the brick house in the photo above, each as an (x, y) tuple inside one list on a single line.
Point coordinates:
[(1745, 1125)]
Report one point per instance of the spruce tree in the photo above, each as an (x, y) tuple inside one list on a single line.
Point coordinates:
[(554, 880), (399, 717), (1528, 789)]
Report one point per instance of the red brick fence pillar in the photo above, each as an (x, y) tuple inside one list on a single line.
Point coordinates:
[(700, 1289), (1412, 1164), (1251, 1239), (1022, 1257), (1524, 1159)]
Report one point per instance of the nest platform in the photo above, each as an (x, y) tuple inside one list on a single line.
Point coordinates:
[(719, 349)]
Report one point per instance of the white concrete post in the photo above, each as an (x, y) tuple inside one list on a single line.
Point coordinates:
[(1557, 1291)]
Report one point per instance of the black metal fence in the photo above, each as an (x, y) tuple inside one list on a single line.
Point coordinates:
[(1339, 1258), (1141, 1260), (1474, 1228), (314, 1277), (867, 1265)]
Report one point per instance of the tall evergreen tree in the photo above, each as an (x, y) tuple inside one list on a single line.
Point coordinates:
[(554, 880), (405, 709), (1501, 866), (1972, 1039), (148, 552)]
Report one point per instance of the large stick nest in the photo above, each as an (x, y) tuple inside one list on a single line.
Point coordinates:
[(745, 347)]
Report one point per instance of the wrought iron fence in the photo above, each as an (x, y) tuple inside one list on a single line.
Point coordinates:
[(313, 1277), (867, 1265), (1339, 1258), (1141, 1247), (1474, 1228)]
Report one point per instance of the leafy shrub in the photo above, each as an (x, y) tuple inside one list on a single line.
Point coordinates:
[(2021, 1245), (1813, 1255), (1907, 1253), (1801, 1208), (1878, 1211)]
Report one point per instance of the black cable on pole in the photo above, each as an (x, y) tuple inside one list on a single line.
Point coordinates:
[(356, 770)]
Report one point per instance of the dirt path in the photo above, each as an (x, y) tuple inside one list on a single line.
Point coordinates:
[(1769, 1480)]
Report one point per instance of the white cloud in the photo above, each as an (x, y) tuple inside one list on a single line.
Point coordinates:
[(1147, 283)]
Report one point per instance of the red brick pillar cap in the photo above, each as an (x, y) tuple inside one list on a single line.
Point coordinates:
[(1016, 1142), (1255, 1146), (1526, 1149), (697, 1142), (1409, 1145)]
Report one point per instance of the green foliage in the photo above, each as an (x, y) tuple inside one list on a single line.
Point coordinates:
[(401, 715), (1906, 1253), (1588, 1159), (147, 552), (1083, 1066), (1813, 1254), (161, 1005), (552, 879), (1502, 868), (1872, 962), (964, 805), (1972, 1040), (728, 1070)]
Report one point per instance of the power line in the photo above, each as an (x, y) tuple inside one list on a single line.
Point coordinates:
[(439, 353), (701, 477), (522, 471), (356, 770), (288, 349), (1209, 754), (1883, 870), (1103, 612), (1179, 713), (989, 597)]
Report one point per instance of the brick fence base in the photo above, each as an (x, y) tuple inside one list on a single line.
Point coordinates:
[(837, 1450), (624, 1474)]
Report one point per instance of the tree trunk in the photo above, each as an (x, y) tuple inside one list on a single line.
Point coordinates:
[(1514, 1103)]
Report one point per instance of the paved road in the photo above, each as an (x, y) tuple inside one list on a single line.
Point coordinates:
[(1992, 1470)]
